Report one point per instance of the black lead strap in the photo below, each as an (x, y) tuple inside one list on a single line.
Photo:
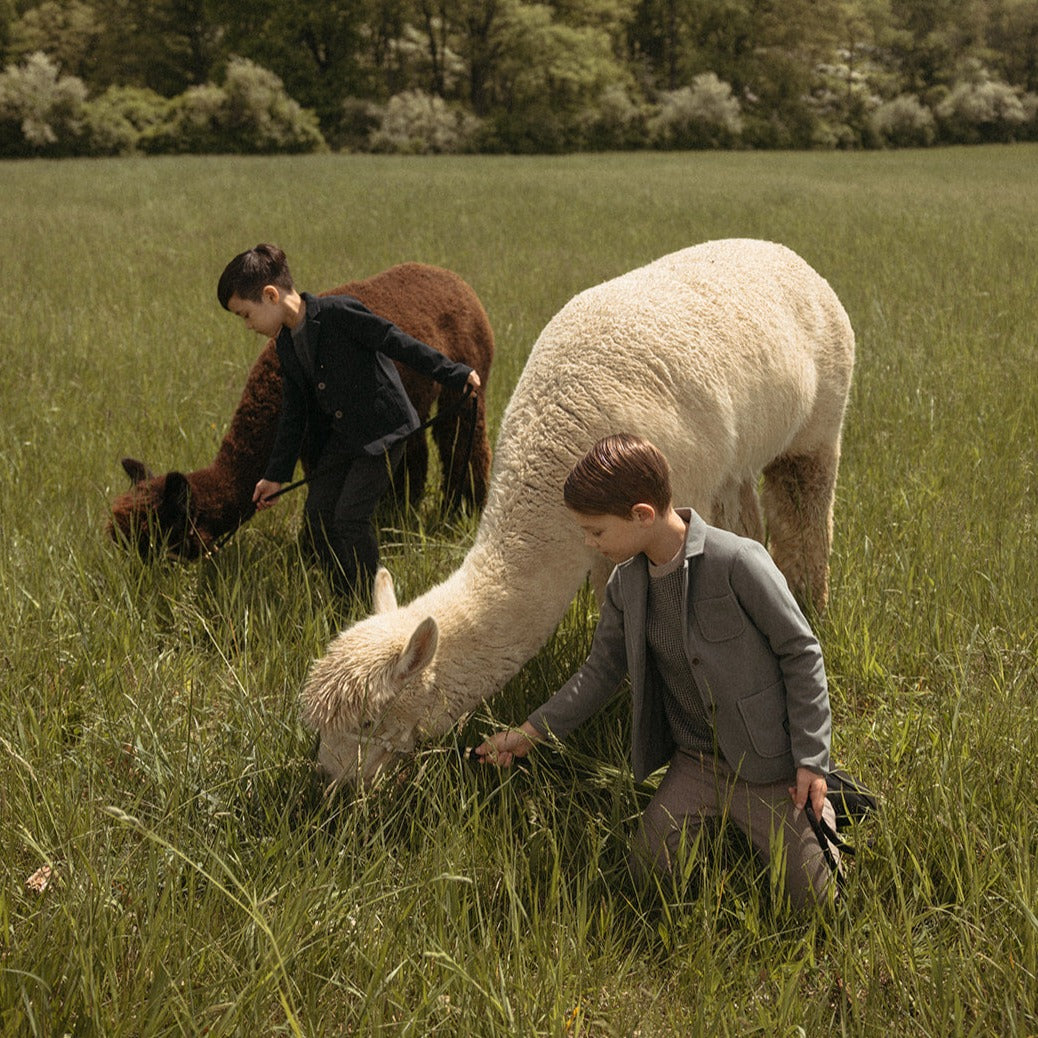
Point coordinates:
[(827, 838)]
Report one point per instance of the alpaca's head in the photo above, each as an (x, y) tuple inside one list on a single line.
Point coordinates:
[(367, 697), (156, 515)]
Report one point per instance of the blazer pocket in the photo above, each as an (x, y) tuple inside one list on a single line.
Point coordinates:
[(720, 619), (764, 714)]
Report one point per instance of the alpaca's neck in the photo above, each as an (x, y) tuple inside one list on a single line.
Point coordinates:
[(244, 451), (498, 609), (527, 563)]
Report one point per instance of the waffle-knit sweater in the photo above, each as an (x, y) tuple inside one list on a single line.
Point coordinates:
[(664, 623)]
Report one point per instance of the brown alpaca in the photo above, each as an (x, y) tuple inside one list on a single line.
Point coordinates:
[(188, 512)]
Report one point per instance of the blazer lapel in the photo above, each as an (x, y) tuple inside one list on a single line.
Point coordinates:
[(313, 324), (635, 587)]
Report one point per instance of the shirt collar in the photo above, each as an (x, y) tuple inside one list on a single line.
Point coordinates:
[(695, 537)]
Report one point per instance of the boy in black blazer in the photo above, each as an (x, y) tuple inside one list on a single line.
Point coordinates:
[(338, 379)]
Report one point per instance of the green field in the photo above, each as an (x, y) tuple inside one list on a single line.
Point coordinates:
[(150, 750)]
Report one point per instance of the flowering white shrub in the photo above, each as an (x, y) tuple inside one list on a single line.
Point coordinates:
[(703, 115), (982, 110), (417, 123), (250, 114), (617, 121), (41, 111), (904, 122)]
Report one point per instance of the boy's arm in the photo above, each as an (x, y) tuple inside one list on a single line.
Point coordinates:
[(590, 688), (765, 596), (376, 333), (595, 683)]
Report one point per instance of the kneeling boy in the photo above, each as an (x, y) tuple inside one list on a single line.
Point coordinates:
[(727, 678)]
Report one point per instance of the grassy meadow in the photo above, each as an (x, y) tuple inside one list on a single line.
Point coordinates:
[(150, 751)]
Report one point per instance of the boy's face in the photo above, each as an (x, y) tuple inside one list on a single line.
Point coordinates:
[(264, 316), (616, 537)]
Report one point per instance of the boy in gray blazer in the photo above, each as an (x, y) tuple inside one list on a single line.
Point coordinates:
[(727, 678)]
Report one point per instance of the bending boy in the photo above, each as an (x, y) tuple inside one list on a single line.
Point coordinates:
[(338, 381), (727, 679)]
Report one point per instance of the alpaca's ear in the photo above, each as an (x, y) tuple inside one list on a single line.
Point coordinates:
[(136, 470), (419, 652), (383, 595)]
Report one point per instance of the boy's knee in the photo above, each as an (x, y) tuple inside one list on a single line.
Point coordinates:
[(660, 844), (646, 861), (811, 884)]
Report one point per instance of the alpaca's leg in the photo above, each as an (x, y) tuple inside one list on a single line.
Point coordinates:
[(463, 448), (477, 480), (798, 501), (737, 508), (751, 520), (414, 470)]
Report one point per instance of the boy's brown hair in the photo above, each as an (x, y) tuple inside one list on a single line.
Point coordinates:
[(619, 472), (251, 271)]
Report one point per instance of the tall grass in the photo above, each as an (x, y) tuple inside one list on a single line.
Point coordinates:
[(150, 752)]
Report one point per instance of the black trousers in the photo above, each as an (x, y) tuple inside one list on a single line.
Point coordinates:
[(341, 502)]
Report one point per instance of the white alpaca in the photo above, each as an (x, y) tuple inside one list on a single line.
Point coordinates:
[(734, 357)]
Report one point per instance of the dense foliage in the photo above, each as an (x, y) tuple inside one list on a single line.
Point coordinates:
[(514, 75)]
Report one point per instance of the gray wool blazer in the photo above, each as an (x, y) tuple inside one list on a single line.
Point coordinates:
[(756, 663)]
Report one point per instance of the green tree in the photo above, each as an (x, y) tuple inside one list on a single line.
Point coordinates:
[(1012, 38), (7, 18), (67, 32), (547, 72), (937, 37), (323, 50), (163, 45)]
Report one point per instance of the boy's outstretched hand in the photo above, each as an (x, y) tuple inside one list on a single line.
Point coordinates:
[(809, 784), (261, 495), (502, 748)]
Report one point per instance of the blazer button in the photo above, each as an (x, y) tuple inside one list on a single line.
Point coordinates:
[(696, 661), (320, 385), (338, 414)]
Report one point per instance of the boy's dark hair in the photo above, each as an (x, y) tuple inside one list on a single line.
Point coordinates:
[(249, 272), (619, 472)]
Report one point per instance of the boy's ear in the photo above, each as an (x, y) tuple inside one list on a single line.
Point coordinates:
[(271, 294), (643, 513)]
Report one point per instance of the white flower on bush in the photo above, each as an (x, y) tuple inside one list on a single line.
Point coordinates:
[(982, 109)]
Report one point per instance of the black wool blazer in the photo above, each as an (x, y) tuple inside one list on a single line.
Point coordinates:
[(355, 398)]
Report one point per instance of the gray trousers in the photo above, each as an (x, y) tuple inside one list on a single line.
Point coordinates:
[(697, 788)]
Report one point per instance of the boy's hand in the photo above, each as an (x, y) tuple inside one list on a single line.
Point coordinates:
[(473, 381), (504, 747), (263, 491), (809, 784)]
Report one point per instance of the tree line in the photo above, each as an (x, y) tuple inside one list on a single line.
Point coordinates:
[(117, 76)]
